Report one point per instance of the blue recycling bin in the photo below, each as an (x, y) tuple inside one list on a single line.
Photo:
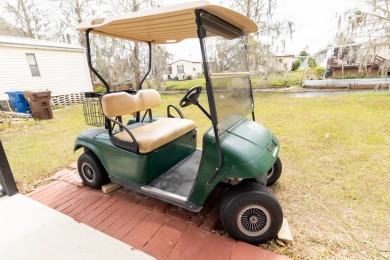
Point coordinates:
[(18, 102)]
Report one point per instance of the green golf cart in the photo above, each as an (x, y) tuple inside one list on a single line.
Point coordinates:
[(158, 156)]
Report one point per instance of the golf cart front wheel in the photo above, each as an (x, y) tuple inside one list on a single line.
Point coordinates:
[(273, 174), (251, 214), (91, 170)]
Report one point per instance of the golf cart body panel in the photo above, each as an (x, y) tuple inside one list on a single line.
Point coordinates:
[(247, 160), (135, 168)]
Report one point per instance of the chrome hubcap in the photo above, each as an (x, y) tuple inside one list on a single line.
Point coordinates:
[(88, 172), (254, 220), (270, 172)]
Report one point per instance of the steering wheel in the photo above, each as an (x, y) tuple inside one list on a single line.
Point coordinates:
[(191, 97)]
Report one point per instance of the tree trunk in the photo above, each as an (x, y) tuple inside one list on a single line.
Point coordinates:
[(29, 32)]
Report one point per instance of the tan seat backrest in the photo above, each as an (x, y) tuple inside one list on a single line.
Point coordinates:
[(147, 99), (122, 103)]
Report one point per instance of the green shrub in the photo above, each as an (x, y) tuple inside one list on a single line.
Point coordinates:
[(347, 77), (295, 82), (319, 71), (303, 53), (312, 63), (296, 64), (100, 89), (278, 83)]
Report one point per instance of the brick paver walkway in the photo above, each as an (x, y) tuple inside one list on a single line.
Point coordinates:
[(160, 229)]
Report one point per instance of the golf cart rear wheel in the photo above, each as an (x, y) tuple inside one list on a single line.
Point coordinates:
[(251, 214), (91, 170), (274, 173)]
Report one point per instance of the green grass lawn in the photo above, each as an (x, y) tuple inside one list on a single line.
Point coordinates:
[(292, 78), (336, 178), (184, 84), (334, 188), (36, 149)]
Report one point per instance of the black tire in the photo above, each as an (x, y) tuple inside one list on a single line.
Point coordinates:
[(273, 174), (92, 171), (251, 214)]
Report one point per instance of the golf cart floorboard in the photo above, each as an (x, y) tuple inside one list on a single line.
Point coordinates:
[(180, 179)]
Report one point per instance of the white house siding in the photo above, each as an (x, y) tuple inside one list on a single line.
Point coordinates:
[(285, 61), (321, 57), (194, 69), (61, 71)]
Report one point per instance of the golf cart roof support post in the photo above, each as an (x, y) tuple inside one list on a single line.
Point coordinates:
[(138, 115), (89, 59), (149, 64), (250, 82), (7, 180), (210, 94), (252, 99)]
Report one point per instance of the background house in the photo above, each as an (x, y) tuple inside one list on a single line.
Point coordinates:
[(285, 61), (352, 59), (184, 68), (28, 64), (304, 61)]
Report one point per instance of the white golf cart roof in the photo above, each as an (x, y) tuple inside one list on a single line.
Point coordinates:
[(168, 24)]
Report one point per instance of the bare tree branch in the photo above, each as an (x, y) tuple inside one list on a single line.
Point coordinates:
[(369, 24), (29, 17)]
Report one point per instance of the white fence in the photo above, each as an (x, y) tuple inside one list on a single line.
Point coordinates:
[(369, 83)]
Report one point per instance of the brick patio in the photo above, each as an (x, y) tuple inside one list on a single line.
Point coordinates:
[(160, 229)]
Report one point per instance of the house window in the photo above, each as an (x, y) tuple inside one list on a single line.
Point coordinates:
[(180, 69), (280, 60), (32, 62)]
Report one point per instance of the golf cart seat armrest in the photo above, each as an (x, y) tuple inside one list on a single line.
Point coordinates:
[(177, 110), (125, 129), (156, 134), (134, 144)]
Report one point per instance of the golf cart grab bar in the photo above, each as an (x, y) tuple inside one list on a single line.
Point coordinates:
[(126, 129), (149, 65), (177, 110)]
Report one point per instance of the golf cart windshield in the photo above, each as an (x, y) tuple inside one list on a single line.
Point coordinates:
[(228, 70)]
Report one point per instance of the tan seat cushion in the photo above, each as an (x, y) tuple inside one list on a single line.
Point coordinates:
[(122, 103), (156, 134)]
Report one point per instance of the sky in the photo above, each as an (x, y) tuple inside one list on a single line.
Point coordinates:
[(315, 22), (315, 25)]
